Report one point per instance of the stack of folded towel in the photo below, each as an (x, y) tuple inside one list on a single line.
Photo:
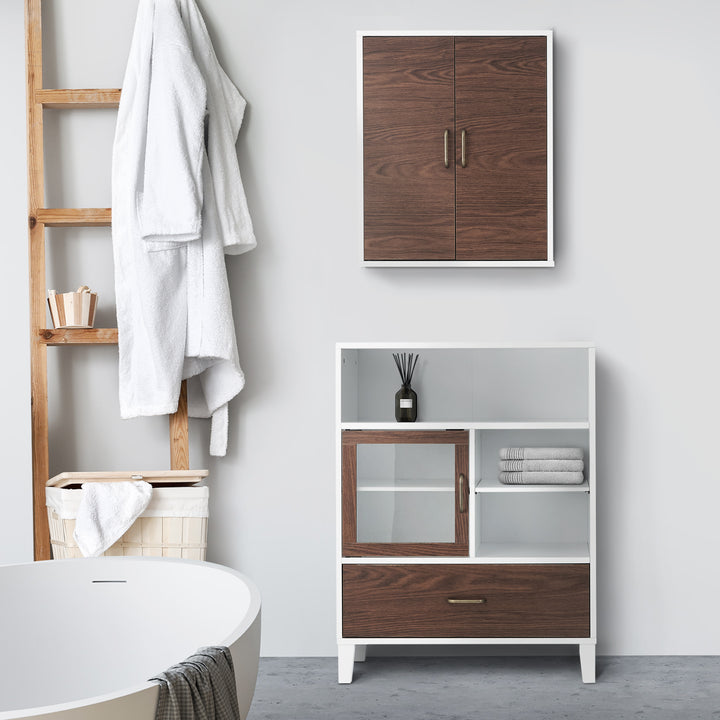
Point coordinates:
[(541, 466)]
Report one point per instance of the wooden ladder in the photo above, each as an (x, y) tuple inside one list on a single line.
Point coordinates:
[(40, 217)]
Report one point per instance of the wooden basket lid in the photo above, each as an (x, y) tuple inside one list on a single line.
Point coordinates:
[(154, 477)]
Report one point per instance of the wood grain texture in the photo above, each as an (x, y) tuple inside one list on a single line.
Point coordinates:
[(501, 103), (179, 435), (407, 106), (78, 336), (396, 601), (72, 217), (375, 437), (350, 545), (462, 493), (349, 498), (404, 549), (78, 98), (36, 243)]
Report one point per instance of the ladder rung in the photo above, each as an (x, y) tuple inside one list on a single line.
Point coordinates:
[(79, 336), (108, 98), (74, 217)]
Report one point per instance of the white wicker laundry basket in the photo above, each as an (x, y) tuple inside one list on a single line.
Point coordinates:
[(174, 524)]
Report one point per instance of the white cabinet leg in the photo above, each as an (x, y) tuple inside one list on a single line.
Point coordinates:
[(360, 652), (346, 660), (587, 662)]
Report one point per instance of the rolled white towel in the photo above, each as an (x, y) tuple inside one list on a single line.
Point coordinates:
[(542, 465), (541, 453), (541, 478), (106, 511)]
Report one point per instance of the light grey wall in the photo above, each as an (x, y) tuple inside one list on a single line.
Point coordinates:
[(16, 527), (637, 151)]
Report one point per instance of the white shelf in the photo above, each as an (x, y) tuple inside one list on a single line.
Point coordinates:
[(533, 552), (493, 485), (414, 485), (470, 425), (435, 345)]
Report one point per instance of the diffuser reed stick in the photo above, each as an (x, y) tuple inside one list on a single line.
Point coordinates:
[(406, 366)]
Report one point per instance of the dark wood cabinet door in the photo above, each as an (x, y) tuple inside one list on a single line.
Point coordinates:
[(501, 105), (409, 193), (421, 484), (487, 98)]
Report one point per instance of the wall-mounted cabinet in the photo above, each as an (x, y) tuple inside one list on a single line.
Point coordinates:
[(432, 546), (456, 135)]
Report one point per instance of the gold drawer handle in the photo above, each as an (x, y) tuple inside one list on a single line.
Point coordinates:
[(461, 482), (463, 601)]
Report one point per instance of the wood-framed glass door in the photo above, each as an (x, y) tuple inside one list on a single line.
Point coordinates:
[(405, 493)]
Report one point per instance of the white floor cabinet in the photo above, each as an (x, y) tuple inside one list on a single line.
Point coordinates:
[(431, 547)]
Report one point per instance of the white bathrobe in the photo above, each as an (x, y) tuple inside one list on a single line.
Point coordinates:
[(178, 208)]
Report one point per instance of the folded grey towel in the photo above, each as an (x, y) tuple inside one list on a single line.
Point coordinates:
[(542, 465), (541, 453), (541, 478), (199, 688)]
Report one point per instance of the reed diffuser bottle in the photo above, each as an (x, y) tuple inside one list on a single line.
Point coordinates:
[(406, 397)]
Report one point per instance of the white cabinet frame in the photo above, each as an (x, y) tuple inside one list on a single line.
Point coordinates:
[(351, 650)]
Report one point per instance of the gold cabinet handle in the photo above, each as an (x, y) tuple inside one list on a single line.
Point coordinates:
[(461, 482), (446, 137), (467, 601), (463, 161)]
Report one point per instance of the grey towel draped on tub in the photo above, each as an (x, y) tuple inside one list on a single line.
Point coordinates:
[(199, 688)]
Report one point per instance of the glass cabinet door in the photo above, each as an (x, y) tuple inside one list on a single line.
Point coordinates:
[(404, 492)]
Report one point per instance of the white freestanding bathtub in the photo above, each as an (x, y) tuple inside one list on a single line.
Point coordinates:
[(80, 638)]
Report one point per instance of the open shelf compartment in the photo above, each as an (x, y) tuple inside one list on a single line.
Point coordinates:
[(532, 527), (469, 384)]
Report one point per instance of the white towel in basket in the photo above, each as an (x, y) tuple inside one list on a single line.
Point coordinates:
[(106, 511)]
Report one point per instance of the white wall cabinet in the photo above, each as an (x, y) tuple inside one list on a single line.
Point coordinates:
[(431, 547)]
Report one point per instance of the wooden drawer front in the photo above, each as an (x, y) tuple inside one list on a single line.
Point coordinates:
[(518, 601)]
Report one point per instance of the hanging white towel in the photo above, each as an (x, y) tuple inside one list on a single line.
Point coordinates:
[(178, 208), (106, 511)]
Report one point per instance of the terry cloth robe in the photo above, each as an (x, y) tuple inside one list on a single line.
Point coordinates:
[(178, 207)]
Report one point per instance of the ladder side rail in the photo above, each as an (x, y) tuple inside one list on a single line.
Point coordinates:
[(39, 217), (36, 230)]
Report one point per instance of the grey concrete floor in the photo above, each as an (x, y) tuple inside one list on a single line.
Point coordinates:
[(489, 688)]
